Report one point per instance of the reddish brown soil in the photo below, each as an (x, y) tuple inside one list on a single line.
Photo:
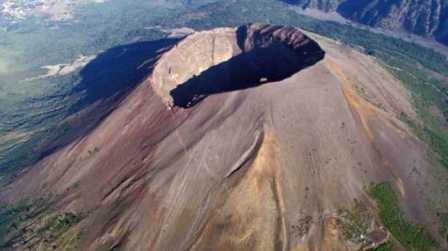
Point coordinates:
[(241, 168)]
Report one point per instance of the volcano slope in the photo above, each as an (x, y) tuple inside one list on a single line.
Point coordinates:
[(249, 138)]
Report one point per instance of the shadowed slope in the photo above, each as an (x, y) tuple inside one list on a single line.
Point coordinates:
[(280, 166), (268, 54), (232, 59), (105, 81)]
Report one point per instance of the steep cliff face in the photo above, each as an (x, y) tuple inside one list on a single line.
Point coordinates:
[(326, 5), (422, 17), (279, 160), (231, 59), (427, 18)]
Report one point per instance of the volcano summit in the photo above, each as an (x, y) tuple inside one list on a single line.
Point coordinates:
[(232, 59), (251, 138)]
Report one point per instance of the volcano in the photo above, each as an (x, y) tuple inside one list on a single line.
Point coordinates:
[(258, 137)]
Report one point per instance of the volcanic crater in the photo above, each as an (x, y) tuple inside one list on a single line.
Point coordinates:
[(252, 166), (230, 59)]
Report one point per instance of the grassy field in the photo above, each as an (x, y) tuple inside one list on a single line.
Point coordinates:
[(388, 246), (33, 224), (413, 237)]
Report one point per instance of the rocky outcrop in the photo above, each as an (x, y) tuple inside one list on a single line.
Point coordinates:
[(231, 59), (428, 18), (325, 5)]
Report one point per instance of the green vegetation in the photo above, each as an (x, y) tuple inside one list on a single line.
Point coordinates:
[(412, 237), (388, 246), (32, 223), (438, 140), (60, 223), (354, 222), (422, 70), (443, 225), (56, 226), (31, 108), (13, 218), (427, 93), (33, 149)]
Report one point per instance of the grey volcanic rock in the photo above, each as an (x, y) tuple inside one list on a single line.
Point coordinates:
[(325, 5), (267, 167), (232, 59), (428, 18), (422, 17)]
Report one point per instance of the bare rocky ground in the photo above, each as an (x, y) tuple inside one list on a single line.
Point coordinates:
[(262, 165), (333, 16)]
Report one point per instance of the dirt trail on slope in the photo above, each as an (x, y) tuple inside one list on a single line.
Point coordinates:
[(265, 167)]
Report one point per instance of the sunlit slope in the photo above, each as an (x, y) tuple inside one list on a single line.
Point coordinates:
[(284, 164)]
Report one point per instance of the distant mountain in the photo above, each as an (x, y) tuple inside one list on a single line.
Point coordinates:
[(428, 18), (326, 5)]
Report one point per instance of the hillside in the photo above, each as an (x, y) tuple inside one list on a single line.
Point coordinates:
[(325, 5), (203, 156), (425, 18), (300, 134)]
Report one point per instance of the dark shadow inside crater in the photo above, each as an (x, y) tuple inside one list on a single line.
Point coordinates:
[(253, 67)]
